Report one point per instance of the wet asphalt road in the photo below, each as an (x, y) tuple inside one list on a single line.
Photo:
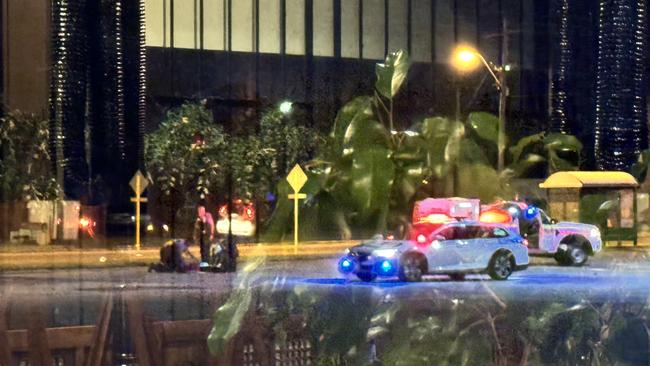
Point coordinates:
[(74, 297), (606, 278)]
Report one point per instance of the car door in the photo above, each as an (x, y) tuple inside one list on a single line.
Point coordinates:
[(492, 239), (547, 234), (441, 252), (447, 254), (468, 247)]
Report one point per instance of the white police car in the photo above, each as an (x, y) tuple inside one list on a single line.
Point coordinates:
[(454, 249)]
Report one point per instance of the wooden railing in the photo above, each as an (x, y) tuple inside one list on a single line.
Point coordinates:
[(42, 346), (156, 343)]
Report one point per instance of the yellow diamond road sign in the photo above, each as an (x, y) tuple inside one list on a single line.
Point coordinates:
[(297, 178), (138, 182)]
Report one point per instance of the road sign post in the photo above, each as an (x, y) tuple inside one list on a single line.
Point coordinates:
[(138, 183), (297, 179)]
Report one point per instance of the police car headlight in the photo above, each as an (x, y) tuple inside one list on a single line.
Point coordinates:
[(385, 253), (594, 232)]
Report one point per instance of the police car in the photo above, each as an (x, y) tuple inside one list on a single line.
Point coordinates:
[(454, 249)]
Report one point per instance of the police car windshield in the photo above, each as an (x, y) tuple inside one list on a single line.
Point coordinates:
[(546, 220)]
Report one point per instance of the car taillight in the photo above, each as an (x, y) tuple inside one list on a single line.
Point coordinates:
[(421, 239), (249, 213)]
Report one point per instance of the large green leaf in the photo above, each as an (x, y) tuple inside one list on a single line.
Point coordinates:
[(524, 144), (443, 139), (407, 181), (365, 132), (392, 73), (640, 169), (344, 117), (371, 178), (471, 153), (486, 126), (322, 217), (559, 140), (527, 163), (563, 152), (480, 181)]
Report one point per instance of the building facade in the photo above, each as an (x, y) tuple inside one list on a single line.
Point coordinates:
[(243, 56), (621, 129)]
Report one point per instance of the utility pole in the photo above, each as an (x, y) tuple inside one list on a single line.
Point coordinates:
[(503, 97)]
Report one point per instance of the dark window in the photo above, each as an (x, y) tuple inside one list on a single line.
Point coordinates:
[(448, 233)]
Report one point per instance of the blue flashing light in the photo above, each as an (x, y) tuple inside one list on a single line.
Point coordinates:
[(530, 213), (386, 266), (346, 265)]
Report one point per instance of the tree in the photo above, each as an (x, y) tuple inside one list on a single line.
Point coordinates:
[(185, 156), (25, 162), (189, 156)]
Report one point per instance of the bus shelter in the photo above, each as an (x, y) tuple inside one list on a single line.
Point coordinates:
[(603, 198)]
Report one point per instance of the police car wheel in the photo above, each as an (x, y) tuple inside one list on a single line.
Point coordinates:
[(576, 255), (501, 266), (410, 269), (366, 276)]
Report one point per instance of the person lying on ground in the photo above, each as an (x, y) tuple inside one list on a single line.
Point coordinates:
[(175, 256)]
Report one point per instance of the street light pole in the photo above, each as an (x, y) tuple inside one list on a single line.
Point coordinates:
[(501, 141), (503, 99), (465, 60)]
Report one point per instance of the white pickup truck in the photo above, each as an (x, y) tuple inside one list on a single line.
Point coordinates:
[(570, 243)]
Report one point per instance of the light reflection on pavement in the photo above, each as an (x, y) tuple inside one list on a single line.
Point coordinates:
[(601, 278)]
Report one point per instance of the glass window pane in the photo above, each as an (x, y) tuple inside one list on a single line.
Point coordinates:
[(323, 28), (350, 28), (295, 27), (448, 233), (499, 233), (397, 25), (269, 26), (242, 25), (214, 24), (184, 24), (444, 27), (421, 30), (155, 23), (373, 29), (467, 22)]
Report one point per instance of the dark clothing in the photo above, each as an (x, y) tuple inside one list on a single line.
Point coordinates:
[(202, 238), (172, 257)]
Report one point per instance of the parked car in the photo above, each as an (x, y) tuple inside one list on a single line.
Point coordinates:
[(454, 249), (243, 219), (124, 223)]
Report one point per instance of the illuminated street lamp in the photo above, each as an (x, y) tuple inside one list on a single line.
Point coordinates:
[(467, 59)]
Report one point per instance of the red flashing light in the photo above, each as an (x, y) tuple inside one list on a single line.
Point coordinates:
[(84, 222), (421, 239), (495, 217)]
